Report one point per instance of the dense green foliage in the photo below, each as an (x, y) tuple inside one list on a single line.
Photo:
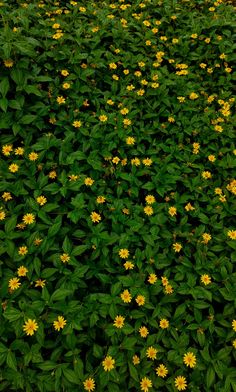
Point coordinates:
[(117, 166)]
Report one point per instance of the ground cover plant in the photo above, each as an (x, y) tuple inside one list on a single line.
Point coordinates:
[(117, 196)]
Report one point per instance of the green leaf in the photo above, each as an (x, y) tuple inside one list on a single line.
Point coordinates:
[(210, 377), (55, 227), (129, 343), (10, 224), (3, 104), (28, 119), (12, 314), (60, 294), (33, 90), (78, 250), (133, 372), (46, 365), (4, 86), (71, 376), (11, 360)]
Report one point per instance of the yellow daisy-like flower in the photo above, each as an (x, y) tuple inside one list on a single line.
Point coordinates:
[(128, 265), (206, 175), (89, 384), (8, 63), (66, 86), (103, 118), (193, 96), (140, 299), (151, 353), (37, 241), (189, 359), (145, 384), (40, 283), (148, 210), (95, 217), (147, 161), (206, 238), (172, 211), (135, 360), (6, 196), (64, 72), (19, 151), (234, 325), (234, 343), (100, 199), (152, 278), (22, 250), (59, 323), (7, 149), (150, 199), (180, 383), (13, 168), (30, 327), (189, 207), (77, 124), (124, 253), (108, 363), (22, 271), (164, 323), (52, 174), (205, 279), (119, 321), (168, 289), (41, 200), (65, 258), (61, 100), (28, 219), (161, 370), (126, 296), (33, 156), (232, 234), (177, 247), (143, 332), (14, 283), (88, 181), (2, 215), (130, 141)]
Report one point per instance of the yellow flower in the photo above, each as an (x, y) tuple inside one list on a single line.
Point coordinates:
[(206, 279), (168, 289), (41, 200), (2, 215), (100, 199), (172, 211), (89, 384), (151, 353), (61, 100), (164, 323), (33, 156), (8, 63), (234, 343), (37, 241), (30, 327), (95, 217), (143, 332), (124, 253), (193, 96), (234, 325), (59, 323), (206, 238), (66, 86), (145, 384), (108, 363), (140, 92), (126, 296), (112, 66), (13, 168), (135, 360), (19, 151), (14, 283), (64, 72), (161, 370), (65, 258), (116, 160), (22, 271), (56, 26), (180, 383), (119, 322), (189, 359), (52, 174), (189, 207), (177, 247), (40, 283), (28, 219), (147, 161), (77, 124), (130, 140), (135, 161), (6, 196), (140, 299), (103, 118), (128, 265), (22, 250), (152, 278), (148, 210), (88, 181), (7, 149), (124, 111), (232, 234), (110, 102), (206, 174), (150, 199), (127, 121)]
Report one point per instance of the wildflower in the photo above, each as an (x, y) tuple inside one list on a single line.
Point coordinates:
[(6, 196), (234, 325), (28, 219), (206, 174), (193, 96), (232, 234), (152, 278), (2, 215), (13, 168), (100, 199), (135, 360), (128, 265), (64, 72), (148, 210), (37, 241), (143, 332), (89, 384), (145, 384), (126, 296), (22, 271), (164, 323), (66, 86), (130, 141), (135, 161), (177, 247), (40, 283), (61, 100), (22, 250), (59, 323), (14, 283), (95, 217), (180, 383), (206, 279), (33, 156), (234, 343), (77, 124), (7, 149), (206, 238), (189, 359), (140, 299), (124, 253), (108, 363), (8, 63), (150, 199), (30, 327), (151, 353), (116, 160), (119, 322), (52, 174), (189, 207), (147, 161), (65, 258), (103, 118), (88, 181), (41, 200), (172, 211), (161, 370), (168, 289)]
